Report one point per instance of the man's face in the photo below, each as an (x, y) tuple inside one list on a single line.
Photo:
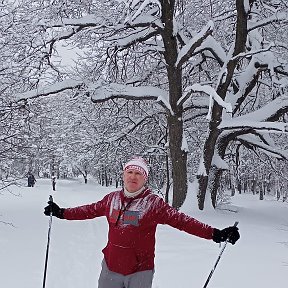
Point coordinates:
[(133, 180)]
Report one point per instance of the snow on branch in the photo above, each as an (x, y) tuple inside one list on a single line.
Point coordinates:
[(261, 118), (214, 47), (146, 20), (123, 132), (267, 112), (49, 90), (201, 169), (85, 21), (208, 90), (251, 53), (274, 127), (260, 121), (184, 146), (138, 35), (219, 162), (186, 52), (143, 5), (267, 149), (102, 93), (278, 17), (75, 25)]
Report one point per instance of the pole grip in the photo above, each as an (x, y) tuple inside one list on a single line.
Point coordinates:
[(235, 225), (218, 259), (50, 205)]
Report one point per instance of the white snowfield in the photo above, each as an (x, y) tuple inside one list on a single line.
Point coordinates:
[(258, 259)]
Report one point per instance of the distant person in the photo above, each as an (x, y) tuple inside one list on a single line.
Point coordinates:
[(31, 180), (133, 214), (54, 183)]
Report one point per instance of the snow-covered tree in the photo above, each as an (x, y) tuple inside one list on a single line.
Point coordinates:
[(171, 53), (253, 80)]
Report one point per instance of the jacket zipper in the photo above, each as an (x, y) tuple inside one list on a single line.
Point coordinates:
[(122, 210)]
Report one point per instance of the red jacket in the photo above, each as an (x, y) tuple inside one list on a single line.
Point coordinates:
[(132, 227)]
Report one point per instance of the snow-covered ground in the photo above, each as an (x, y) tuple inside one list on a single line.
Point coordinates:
[(258, 259)]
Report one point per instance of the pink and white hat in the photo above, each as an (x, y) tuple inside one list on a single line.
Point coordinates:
[(139, 164)]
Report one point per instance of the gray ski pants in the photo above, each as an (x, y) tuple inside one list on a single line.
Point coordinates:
[(109, 279)]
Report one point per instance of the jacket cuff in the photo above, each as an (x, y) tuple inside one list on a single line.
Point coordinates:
[(61, 213)]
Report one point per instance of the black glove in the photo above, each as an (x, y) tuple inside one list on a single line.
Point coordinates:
[(55, 209), (230, 234)]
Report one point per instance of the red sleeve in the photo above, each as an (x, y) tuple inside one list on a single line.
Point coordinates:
[(165, 214), (87, 211)]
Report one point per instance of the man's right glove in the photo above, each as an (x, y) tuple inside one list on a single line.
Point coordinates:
[(55, 209), (230, 234)]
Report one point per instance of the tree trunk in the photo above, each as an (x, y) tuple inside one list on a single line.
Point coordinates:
[(203, 183), (179, 161), (216, 172), (216, 177), (233, 192), (239, 186), (261, 192), (223, 87), (175, 122), (106, 179), (168, 185), (254, 185), (208, 153)]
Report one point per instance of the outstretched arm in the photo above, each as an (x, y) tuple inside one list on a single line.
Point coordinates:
[(78, 213), (170, 216)]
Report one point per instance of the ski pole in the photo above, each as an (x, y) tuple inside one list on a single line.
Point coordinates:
[(48, 242), (218, 259)]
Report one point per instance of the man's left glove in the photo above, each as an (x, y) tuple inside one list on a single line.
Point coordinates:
[(230, 234), (55, 209)]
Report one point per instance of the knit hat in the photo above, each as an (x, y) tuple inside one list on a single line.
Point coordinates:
[(139, 164)]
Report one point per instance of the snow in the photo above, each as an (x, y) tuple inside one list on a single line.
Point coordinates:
[(277, 17), (142, 7), (202, 34), (86, 20), (258, 259), (209, 91), (49, 89), (109, 91), (267, 126)]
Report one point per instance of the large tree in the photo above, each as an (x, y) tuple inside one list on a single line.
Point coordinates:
[(252, 66), (169, 52)]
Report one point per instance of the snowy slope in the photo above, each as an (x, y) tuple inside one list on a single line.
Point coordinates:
[(259, 259)]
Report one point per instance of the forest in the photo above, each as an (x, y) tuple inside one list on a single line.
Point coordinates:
[(197, 87)]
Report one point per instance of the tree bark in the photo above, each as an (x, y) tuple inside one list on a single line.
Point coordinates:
[(175, 122), (217, 173), (179, 161), (216, 115), (208, 153)]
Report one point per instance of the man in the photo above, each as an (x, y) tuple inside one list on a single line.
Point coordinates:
[(31, 180), (133, 214), (53, 182)]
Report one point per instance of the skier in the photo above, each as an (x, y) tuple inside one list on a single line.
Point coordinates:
[(133, 214), (53, 183), (31, 180)]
